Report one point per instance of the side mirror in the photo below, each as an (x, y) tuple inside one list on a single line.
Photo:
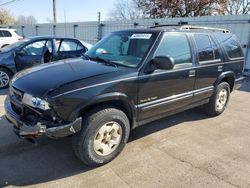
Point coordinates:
[(163, 62)]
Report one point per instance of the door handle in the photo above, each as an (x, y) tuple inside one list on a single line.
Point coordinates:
[(191, 73), (220, 68)]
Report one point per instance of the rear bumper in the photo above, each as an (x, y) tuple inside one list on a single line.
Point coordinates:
[(23, 129), (239, 82)]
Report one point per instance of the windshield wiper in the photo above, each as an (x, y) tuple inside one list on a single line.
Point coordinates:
[(103, 60)]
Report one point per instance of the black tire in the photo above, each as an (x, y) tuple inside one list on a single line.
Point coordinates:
[(9, 75), (211, 107), (83, 141)]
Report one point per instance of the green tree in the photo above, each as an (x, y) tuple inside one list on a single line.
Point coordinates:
[(180, 8)]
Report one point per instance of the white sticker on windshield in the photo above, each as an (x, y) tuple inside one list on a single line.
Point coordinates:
[(141, 36)]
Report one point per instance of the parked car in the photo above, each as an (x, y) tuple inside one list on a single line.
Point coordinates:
[(129, 78), (8, 36), (35, 51)]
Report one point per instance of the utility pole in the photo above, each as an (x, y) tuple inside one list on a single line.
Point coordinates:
[(54, 11)]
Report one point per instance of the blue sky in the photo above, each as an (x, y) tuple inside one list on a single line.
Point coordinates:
[(76, 10)]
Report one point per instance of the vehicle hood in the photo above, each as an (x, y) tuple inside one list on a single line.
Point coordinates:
[(40, 80)]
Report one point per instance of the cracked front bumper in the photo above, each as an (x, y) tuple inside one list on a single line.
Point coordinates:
[(23, 128)]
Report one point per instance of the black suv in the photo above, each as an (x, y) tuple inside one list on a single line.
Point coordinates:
[(127, 79)]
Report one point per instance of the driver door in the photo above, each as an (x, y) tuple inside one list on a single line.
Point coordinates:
[(163, 91), (30, 55)]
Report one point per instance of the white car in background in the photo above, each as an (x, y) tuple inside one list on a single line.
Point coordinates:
[(8, 36)]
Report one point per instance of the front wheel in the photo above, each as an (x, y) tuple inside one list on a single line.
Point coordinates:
[(5, 76), (103, 136), (219, 100)]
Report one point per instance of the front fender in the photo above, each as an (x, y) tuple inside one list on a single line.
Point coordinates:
[(114, 96)]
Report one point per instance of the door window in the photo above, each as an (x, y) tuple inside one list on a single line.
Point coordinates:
[(6, 33), (70, 45), (207, 50), (35, 48), (176, 46)]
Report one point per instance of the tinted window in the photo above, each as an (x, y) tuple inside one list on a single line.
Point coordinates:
[(68, 45), (1, 33), (175, 46), (6, 33), (230, 44), (35, 48), (204, 47)]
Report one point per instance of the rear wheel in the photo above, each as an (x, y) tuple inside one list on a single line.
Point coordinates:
[(219, 100), (5, 76), (103, 136)]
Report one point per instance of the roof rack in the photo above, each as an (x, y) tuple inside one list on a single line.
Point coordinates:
[(189, 27), (168, 25)]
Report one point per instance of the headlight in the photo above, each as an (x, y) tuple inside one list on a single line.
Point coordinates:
[(35, 102)]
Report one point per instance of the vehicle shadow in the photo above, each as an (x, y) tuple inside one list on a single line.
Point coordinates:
[(24, 164)]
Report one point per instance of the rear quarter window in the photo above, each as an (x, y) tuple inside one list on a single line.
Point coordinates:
[(231, 45), (6, 33)]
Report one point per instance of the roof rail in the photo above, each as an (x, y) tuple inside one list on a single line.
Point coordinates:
[(189, 27), (168, 25)]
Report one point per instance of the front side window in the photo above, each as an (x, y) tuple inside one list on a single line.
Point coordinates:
[(230, 44), (126, 49), (176, 46), (35, 48)]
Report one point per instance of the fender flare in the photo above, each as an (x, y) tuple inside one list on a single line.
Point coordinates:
[(224, 75), (105, 98)]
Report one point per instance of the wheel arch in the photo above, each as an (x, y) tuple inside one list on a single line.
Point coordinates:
[(1, 66), (118, 100), (228, 77)]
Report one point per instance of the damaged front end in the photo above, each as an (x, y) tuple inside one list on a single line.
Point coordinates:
[(31, 123)]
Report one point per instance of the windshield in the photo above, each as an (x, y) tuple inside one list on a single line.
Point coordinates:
[(125, 49), (13, 45)]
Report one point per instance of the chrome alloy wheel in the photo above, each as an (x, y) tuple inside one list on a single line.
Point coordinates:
[(107, 138), (221, 99), (4, 79)]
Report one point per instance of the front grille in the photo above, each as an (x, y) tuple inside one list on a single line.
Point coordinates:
[(16, 97), (17, 109)]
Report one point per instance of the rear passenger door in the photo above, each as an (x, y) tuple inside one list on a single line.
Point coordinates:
[(69, 48), (209, 66)]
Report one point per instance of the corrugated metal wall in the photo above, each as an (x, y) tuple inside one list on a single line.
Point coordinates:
[(88, 31)]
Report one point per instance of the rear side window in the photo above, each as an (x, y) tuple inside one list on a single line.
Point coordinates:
[(6, 33), (231, 45), (207, 50), (68, 45), (176, 46)]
